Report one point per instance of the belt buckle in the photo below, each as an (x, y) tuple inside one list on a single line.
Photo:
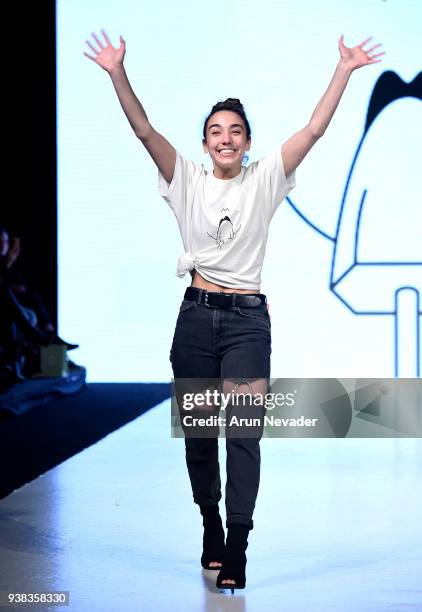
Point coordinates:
[(206, 298), (226, 300)]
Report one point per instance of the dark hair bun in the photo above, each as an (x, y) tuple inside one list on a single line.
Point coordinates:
[(233, 103)]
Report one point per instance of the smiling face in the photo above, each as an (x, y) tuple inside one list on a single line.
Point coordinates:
[(226, 142)]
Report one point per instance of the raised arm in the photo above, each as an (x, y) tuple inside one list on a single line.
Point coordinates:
[(296, 148), (111, 60)]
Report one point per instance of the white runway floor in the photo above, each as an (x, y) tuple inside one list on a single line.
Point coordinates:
[(338, 527)]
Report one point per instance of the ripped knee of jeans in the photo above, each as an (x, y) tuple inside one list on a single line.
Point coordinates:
[(251, 390), (245, 406)]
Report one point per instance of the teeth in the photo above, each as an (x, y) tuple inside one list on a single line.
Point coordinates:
[(226, 151)]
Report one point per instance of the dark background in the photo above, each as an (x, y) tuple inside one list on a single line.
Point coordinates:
[(29, 194)]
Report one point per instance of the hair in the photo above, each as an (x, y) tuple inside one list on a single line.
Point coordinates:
[(231, 104)]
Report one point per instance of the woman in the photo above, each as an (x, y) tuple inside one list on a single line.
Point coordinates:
[(223, 331)]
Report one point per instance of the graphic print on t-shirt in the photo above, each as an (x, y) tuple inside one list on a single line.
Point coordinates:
[(225, 230)]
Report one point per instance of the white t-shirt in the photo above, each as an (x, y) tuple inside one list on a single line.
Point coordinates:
[(224, 222)]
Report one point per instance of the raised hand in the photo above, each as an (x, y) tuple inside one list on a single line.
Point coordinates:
[(106, 55), (356, 57)]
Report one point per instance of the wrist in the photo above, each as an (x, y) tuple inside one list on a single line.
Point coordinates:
[(116, 71), (344, 67)]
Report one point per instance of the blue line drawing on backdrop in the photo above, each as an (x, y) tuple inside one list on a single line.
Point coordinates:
[(376, 266)]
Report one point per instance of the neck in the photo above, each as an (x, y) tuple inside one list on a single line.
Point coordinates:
[(226, 173)]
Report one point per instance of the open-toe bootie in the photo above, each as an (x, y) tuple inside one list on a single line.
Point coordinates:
[(213, 541), (234, 560)]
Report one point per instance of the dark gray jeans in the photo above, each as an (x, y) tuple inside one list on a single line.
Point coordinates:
[(232, 345)]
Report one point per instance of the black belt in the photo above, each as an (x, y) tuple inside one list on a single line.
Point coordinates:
[(224, 300)]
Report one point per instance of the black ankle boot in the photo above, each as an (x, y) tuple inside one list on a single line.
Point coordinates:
[(234, 560), (213, 541)]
